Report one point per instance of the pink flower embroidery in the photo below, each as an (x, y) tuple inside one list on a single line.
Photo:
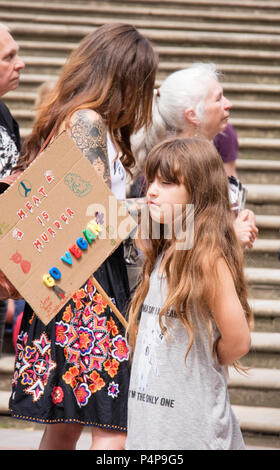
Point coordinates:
[(120, 349), (57, 395)]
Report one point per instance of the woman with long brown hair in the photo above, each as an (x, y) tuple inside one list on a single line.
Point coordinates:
[(103, 95), (189, 317)]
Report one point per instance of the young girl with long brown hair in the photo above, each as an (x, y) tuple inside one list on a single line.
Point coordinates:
[(189, 317), (103, 95)]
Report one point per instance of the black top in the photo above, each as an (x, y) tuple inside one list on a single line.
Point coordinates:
[(9, 140)]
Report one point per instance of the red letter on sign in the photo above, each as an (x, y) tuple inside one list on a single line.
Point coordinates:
[(75, 251)]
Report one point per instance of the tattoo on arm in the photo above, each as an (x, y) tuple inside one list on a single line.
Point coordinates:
[(90, 136)]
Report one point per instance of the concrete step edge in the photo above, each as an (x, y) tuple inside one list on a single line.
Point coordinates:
[(20, 96), (25, 132), (265, 342), (251, 88), (36, 77), (179, 3), (170, 50), (203, 51), (258, 419), (265, 307), (268, 221), (155, 35), (172, 23), (7, 363), (263, 193), (251, 164), (226, 68), (23, 113), (255, 105), (263, 245), (256, 123), (263, 276), (258, 143), (43, 61), (260, 378), (230, 3), (4, 401)]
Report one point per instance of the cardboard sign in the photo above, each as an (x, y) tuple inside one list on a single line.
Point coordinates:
[(58, 223)]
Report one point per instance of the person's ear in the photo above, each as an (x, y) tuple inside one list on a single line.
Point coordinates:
[(191, 117)]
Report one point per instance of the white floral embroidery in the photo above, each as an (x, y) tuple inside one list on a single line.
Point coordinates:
[(8, 152)]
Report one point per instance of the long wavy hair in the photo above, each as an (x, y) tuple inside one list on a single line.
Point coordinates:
[(191, 274), (112, 72)]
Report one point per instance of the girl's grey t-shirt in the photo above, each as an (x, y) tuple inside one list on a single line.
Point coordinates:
[(175, 404)]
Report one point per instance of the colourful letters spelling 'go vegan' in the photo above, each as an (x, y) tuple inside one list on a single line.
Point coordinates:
[(90, 233)]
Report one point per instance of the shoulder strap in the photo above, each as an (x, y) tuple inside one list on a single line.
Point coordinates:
[(47, 141)]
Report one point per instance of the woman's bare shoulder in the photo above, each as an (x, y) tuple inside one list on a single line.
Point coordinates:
[(88, 131), (86, 115)]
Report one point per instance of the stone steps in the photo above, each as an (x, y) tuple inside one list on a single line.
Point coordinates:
[(239, 5), (190, 20), (258, 419), (261, 128), (160, 36), (266, 315), (268, 225), (263, 276), (258, 148), (217, 54), (259, 385), (237, 72), (265, 253), (4, 402), (264, 352), (263, 283), (263, 12), (263, 198), (258, 171)]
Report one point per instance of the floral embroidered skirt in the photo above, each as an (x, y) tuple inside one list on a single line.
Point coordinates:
[(76, 369)]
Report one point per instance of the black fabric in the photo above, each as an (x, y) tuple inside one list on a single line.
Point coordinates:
[(3, 313), (76, 369)]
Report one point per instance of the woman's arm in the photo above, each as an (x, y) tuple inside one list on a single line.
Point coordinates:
[(227, 311), (90, 135)]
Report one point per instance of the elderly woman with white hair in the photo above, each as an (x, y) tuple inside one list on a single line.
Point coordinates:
[(189, 103)]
